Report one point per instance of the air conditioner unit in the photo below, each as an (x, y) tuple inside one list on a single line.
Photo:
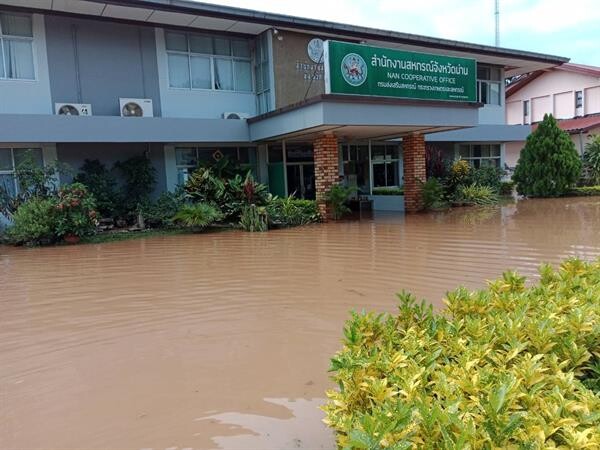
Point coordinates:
[(73, 109), (235, 115), (136, 107)]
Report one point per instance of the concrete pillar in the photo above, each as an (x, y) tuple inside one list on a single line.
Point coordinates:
[(415, 173), (326, 170)]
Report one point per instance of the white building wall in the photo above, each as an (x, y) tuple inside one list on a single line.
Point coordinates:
[(30, 96)]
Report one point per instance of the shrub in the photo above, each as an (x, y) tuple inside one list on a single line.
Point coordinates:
[(388, 191), (160, 213), (254, 218), (33, 222), (475, 194), (549, 164), (291, 211), (506, 187), (507, 367), (75, 211), (337, 197), (139, 180), (231, 195), (197, 215), (101, 184), (591, 160), (432, 192), (34, 181), (585, 191), (436, 165), (487, 176)]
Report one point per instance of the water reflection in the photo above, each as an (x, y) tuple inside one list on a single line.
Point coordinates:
[(223, 340)]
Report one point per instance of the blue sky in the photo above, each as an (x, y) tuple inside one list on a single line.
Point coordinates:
[(569, 28)]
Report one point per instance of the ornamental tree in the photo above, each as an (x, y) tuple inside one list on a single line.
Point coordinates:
[(549, 164)]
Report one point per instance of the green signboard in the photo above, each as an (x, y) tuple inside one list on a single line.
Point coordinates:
[(363, 70)]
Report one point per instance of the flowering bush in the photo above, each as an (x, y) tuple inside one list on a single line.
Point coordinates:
[(512, 367), (75, 211)]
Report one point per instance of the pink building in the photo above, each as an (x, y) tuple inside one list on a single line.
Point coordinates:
[(570, 92)]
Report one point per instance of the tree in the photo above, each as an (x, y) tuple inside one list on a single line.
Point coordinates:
[(591, 160), (549, 164)]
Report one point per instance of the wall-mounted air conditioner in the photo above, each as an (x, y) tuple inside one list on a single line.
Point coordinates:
[(73, 109), (235, 115), (136, 107)]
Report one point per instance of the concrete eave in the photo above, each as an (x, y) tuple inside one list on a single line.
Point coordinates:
[(17, 128), (362, 118)]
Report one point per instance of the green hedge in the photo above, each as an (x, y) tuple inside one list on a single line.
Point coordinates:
[(510, 366), (585, 191), (388, 191)]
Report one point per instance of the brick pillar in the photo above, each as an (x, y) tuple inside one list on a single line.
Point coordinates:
[(326, 170), (415, 173)]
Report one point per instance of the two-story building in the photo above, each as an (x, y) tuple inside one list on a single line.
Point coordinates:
[(186, 82), (570, 92)]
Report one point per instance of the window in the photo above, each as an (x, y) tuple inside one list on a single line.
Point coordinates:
[(356, 167), (261, 74), (489, 85), (10, 158), (187, 159), (386, 166), (16, 47), (480, 155), (526, 111), (207, 62), (578, 99)]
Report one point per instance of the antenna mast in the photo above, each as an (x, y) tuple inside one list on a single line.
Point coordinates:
[(497, 17)]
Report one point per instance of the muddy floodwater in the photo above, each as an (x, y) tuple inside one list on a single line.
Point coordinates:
[(223, 340)]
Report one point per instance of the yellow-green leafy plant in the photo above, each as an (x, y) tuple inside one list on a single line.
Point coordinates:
[(509, 367)]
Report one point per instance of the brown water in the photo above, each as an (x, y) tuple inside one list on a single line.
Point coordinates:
[(223, 340)]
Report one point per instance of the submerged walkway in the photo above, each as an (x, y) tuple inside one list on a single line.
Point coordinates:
[(223, 340)]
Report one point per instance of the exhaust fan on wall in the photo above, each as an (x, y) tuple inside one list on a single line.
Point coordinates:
[(235, 115), (73, 109), (136, 107)]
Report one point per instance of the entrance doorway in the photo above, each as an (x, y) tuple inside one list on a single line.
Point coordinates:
[(301, 180)]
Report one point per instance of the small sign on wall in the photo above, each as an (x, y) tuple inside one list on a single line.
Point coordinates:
[(354, 69)]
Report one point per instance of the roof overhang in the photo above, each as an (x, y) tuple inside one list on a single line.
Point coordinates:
[(361, 118), (196, 15), (20, 128), (483, 133)]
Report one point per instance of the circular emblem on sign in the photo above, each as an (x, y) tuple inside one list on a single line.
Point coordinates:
[(315, 50), (354, 69)]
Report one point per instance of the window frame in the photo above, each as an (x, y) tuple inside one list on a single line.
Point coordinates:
[(10, 37), (211, 57), (197, 149), (472, 158), (578, 99), (526, 111), (385, 162), (12, 172), (488, 81)]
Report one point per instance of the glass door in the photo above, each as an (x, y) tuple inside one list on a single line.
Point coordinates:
[(301, 180)]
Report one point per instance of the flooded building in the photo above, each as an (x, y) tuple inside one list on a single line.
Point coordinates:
[(570, 92), (303, 103)]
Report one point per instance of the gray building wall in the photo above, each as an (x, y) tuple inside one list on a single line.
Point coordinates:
[(97, 62), (75, 154)]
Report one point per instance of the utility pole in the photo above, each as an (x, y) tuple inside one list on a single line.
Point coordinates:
[(497, 17)]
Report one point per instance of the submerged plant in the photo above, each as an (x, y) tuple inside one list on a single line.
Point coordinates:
[(254, 218), (197, 215), (507, 367), (337, 197), (475, 194)]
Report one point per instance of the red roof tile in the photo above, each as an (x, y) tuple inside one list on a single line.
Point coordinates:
[(582, 124)]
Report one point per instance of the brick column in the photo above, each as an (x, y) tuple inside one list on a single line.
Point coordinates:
[(415, 172), (326, 170)]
